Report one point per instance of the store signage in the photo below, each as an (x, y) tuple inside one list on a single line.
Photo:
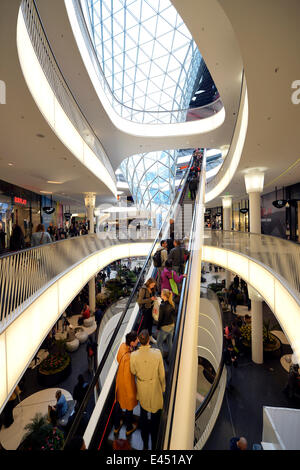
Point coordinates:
[(280, 203), (49, 210), (244, 210), (67, 215), (19, 200)]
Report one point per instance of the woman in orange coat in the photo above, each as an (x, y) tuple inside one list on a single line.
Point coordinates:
[(125, 386)]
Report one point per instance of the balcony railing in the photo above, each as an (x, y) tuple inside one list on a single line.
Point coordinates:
[(280, 256)]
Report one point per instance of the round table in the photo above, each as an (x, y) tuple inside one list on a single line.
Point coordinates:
[(11, 437)]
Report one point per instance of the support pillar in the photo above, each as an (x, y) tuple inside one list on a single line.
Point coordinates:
[(254, 212), (227, 278), (89, 200), (227, 203), (254, 182), (257, 349)]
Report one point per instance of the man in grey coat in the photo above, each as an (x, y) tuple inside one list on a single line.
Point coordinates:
[(176, 256), (147, 365)]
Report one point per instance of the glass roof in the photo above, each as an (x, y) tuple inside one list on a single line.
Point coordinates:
[(147, 55)]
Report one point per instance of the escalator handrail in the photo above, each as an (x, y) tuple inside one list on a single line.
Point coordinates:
[(177, 342), (114, 335)]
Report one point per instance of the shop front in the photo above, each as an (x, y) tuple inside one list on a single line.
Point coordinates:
[(213, 218), (18, 206), (240, 215)]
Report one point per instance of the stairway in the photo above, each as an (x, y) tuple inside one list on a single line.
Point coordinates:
[(187, 206)]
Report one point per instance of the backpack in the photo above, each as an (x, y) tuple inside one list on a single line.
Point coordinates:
[(157, 259)]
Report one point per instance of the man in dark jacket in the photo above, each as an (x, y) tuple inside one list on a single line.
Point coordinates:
[(177, 255), (193, 185), (170, 240)]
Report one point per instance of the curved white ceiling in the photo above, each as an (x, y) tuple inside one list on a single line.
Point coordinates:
[(120, 144), (267, 36)]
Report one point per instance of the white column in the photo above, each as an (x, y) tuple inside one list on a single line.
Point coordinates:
[(254, 212), (254, 182), (89, 200), (257, 349), (227, 203)]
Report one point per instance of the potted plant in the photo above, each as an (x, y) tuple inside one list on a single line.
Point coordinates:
[(41, 435), (270, 342), (55, 367)]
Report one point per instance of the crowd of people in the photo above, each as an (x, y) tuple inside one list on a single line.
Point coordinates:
[(40, 235), (141, 372)]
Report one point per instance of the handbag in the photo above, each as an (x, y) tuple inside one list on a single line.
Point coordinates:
[(173, 285), (155, 309)]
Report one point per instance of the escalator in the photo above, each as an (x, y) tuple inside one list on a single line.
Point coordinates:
[(98, 433)]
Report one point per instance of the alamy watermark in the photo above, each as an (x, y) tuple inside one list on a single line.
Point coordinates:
[(128, 226), (296, 94), (2, 92)]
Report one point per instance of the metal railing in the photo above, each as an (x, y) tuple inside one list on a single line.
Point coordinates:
[(56, 80), (281, 256), (25, 274), (139, 115)]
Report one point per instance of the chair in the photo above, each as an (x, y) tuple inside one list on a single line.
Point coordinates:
[(65, 418), (72, 346)]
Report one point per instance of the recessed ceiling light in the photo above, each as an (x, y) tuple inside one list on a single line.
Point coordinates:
[(10, 164), (55, 182), (46, 192)]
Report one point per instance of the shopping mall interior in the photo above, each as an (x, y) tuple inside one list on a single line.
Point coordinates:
[(149, 225)]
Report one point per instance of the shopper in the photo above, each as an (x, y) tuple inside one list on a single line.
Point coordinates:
[(145, 300), (40, 237), (167, 274), (166, 322), (79, 391), (159, 260), (2, 238), (232, 297), (193, 186), (61, 406), (86, 313), (147, 365), (7, 414), (125, 386), (293, 381), (177, 256), (170, 240), (98, 316), (91, 349), (17, 241), (230, 360), (238, 443)]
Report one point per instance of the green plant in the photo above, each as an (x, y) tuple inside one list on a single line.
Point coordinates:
[(268, 338), (215, 286), (41, 435), (54, 363)]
